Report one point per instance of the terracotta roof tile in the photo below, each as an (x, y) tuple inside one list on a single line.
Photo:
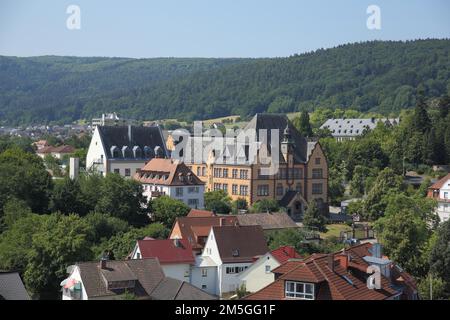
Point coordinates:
[(166, 251)]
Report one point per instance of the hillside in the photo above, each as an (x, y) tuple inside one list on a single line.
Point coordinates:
[(377, 76)]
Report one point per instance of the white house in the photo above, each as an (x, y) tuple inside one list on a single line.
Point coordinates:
[(259, 274), (440, 191), (171, 178), (174, 255), (124, 149), (229, 250)]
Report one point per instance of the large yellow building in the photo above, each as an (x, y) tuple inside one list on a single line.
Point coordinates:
[(302, 174)]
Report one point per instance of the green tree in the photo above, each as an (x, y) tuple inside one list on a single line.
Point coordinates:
[(23, 176), (289, 237), (218, 201), (239, 204), (313, 218), (165, 210), (66, 198), (436, 284), (14, 209), (122, 198), (303, 124), (440, 256), (265, 205), (105, 226), (60, 241)]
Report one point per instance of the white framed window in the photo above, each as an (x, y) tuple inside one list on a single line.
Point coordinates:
[(299, 290), (179, 192), (204, 272), (267, 269), (127, 172)]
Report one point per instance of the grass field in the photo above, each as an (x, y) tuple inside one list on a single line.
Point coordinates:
[(334, 230)]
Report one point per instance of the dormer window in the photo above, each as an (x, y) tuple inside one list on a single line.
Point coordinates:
[(299, 290), (137, 152), (235, 253), (148, 152), (115, 152), (126, 152)]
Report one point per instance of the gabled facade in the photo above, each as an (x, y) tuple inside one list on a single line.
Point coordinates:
[(440, 191), (230, 250), (171, 178), (260, 274), (124, 149)]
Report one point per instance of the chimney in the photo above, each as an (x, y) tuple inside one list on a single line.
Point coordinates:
[(74, 167), (343, 260), (330, 261), (103, 263)]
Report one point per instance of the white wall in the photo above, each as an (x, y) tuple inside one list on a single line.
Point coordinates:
[(123, 164), (178, 271), (255, 277), (230, 281), (210, 281), (95, 152), (443, 209), (76, 275), (171, 192)]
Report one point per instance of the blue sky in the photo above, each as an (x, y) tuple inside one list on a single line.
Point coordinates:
[(210, 28)]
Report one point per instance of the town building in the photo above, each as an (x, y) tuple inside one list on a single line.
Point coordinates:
[(228, 251), (260, 274), (12, 287), (174, 255), (40, 144), (440, 191), (196, 229), (171, 178), (349, 129), (56, 152), (144, 279), (357, 273), (111, 119), (124, 149), (302, 175), (269, 221)]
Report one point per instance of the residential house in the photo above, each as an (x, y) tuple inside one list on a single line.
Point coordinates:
[(440, 191), (56, 152), (229, 250), (41, 144), (111, 119), (113, 279), (11, 287), (124, 149), (200, 213), (302, 166), (259, 274), (349, 129), (171, 178), (174, 255), (358, 273), (197, 229)]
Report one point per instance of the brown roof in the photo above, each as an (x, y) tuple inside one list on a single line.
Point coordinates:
[(172, 289), (240, 243), (167, 172), (200, 213), (268, 221), (188, 226), (333, 282), (60, 149), (440, 183)]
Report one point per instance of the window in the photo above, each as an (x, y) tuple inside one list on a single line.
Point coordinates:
[(225, 187), (232, 270), (193, 203), (204, 286), (317, 173), (225, 173), (279, 189), (138, 255), (243, 174), (117, 171), (216, 186), (198, 171), (203, 171), (317, 188), (263, 190), (298, 187), (234, 189), (243, 190), (179, 192), (298, 173), (445, 195), (299, 290), (204, 272), (193, 190), (234, 173), (267, 269), (127, 172)]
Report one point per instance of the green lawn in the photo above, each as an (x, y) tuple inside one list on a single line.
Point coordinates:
[(334, 230)]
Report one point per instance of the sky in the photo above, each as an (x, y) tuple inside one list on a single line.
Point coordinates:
[(210, 28)]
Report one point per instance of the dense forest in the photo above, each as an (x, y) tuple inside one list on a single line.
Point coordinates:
[(378, 76)]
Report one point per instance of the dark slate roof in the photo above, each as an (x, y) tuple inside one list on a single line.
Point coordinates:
[(287, 198), (240, 243), (131, 136), (280, 121), (11, 287), (173, 289), (268, 221)]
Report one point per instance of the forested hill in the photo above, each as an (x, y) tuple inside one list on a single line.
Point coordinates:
[(378, 76)]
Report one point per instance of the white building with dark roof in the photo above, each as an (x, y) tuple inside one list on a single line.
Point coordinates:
[(124, 149), (349, 129)]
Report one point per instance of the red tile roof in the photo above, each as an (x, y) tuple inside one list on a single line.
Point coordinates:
[(200, 213), (282, 254), (334, 280), (60, 149), (440, 183), (166, 251)]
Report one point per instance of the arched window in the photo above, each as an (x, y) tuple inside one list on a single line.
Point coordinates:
[(137, 152), (126, 152), (148, 152), (115, 152), (159, 153)]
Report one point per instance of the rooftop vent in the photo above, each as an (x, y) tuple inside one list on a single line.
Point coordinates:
[(235, 253)]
